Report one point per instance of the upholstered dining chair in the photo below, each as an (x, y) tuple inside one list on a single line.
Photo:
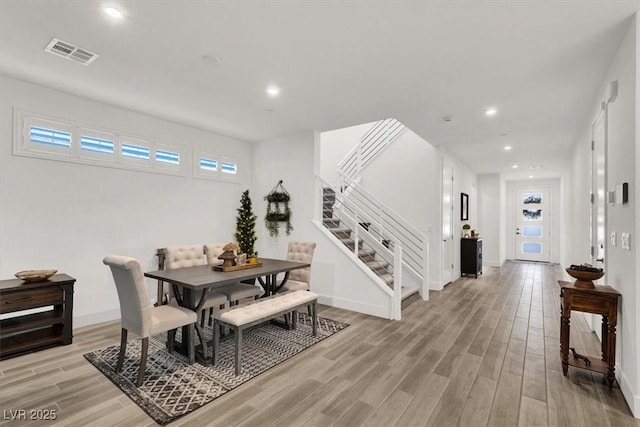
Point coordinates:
[(237, 291), (139, 316), (300, 279), (191, 256)]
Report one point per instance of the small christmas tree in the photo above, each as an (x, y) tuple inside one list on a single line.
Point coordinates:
[(245, 226)]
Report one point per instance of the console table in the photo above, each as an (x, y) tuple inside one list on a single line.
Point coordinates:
[(24, 333), (601, 300)]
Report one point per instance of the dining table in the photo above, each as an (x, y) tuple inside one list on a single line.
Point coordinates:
[(188, 281)]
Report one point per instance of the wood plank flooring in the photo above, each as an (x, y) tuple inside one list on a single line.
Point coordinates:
[(480, 353)]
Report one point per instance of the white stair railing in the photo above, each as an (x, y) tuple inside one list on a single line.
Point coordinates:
[(393, 238), (372, 143), (390, 226)]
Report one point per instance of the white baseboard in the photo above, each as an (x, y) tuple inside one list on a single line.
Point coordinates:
[(347, 304), (492, 263), (632, 400), (435, 286), (93, 318)]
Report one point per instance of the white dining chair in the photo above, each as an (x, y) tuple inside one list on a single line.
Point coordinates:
[(139, 316), (300, 279), (192, 256)]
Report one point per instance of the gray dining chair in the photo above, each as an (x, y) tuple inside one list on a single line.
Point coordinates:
[(139, 316), (237, 291)]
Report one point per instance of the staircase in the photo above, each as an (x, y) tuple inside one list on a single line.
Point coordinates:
[(372, 259)]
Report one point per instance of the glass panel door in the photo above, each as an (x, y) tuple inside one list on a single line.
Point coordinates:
[(532, 224)]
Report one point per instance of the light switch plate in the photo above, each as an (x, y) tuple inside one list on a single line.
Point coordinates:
[(613, 238), (626, 244)]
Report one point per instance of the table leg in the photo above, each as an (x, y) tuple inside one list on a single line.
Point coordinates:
[(564, 339), (611, 353), (284, 281), (187, 332), (605, 331)]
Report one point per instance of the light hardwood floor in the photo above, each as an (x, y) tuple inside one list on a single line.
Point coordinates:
[(481, 352)]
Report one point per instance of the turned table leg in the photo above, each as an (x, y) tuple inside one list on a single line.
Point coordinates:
[(564, 338), (611, 354)]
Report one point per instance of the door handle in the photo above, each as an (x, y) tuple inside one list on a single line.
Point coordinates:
[(518, 233), (600, 259)]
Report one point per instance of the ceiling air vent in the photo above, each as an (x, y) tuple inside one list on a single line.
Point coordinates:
[(71, 52)]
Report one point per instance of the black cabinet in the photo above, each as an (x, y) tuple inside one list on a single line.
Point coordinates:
[(471, 256)]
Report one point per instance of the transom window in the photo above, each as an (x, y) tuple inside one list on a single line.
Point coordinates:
[(59, 140)]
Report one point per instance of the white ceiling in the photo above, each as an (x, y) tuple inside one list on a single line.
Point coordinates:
[(540, 63)]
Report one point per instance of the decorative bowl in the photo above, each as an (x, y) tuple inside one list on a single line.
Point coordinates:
[(584, 279), (32, 276)]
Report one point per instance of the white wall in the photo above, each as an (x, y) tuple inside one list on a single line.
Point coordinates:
[(621, 265), (334, 276), (335, 145), (464, 181), (290, 159), (68, 216), (407, 178), (491, 205), (622, 272)]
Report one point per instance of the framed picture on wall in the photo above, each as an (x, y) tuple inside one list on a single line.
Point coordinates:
[(464, 207)]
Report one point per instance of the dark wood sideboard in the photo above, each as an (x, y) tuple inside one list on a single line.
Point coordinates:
[(25, 333), (601, 300), (470, 256)]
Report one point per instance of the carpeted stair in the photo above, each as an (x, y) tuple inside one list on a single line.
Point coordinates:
[(367, 256)]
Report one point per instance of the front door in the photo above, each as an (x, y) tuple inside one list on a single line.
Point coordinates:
[(533, 224)]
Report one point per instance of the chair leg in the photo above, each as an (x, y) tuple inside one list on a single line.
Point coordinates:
[(191, 350), (294, 319), (210, 316), (202, 316), (171, 340), (314, 310), (123, 349), (238, 351), (143, 361), (216, 341), (203, 341)]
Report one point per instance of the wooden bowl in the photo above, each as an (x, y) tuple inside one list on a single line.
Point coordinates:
[(584, 279), (32, 276)]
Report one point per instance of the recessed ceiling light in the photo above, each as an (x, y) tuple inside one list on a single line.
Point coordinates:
[(491, 112), (530, 176), (514, 166), (113, 12), (507, 147), (273, 91)]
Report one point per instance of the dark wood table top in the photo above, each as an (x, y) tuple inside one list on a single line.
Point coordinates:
[(13, 284), (598, 290), (203, 276)]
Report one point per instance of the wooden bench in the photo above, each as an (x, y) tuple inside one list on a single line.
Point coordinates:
[(242, 317)]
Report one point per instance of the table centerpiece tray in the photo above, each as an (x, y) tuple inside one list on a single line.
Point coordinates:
[(236, 267)]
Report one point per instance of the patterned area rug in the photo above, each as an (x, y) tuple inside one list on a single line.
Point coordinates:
[(173, 388)]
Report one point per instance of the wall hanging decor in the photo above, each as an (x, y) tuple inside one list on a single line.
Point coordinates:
[(464, 207), (278, 210)]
